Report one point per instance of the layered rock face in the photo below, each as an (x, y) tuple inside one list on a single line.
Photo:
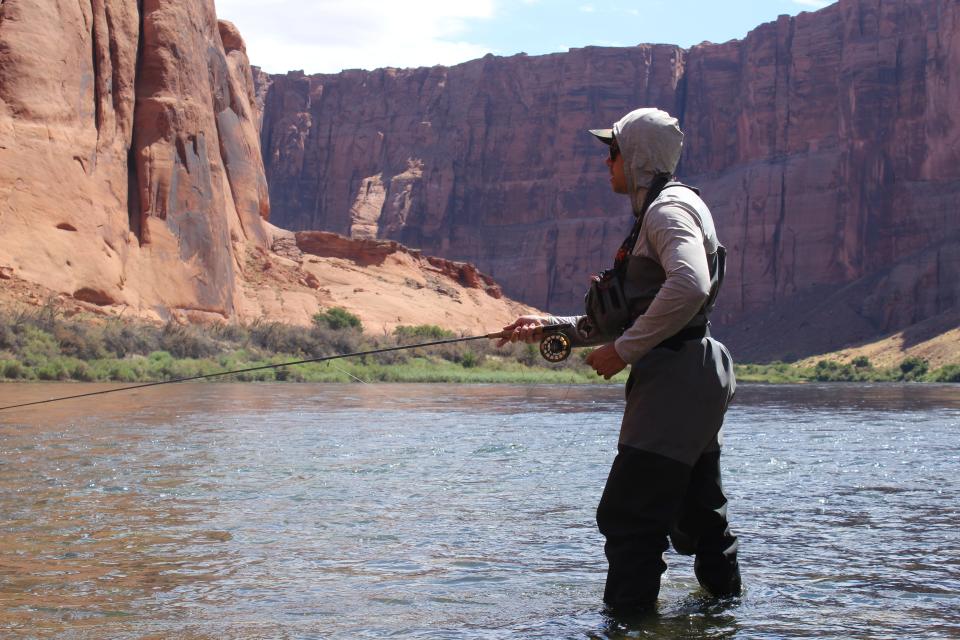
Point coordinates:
[(131, 165), (384, 283), (826, 145), (829, 145)]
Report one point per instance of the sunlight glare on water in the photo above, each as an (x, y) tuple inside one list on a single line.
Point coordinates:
[(448, 511)]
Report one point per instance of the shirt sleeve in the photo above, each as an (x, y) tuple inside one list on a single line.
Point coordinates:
[(677, 241), (578, 338)]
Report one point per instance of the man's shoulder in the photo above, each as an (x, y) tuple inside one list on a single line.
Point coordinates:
[(680, 208), (672, 214), (675, 206), (678, 192)]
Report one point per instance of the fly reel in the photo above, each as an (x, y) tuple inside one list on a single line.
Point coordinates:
[(555, 347)]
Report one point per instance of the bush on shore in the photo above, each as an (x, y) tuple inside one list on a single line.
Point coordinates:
[(45, 345), (338, 318)]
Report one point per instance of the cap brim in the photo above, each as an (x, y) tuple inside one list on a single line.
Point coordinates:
[(603, 135)]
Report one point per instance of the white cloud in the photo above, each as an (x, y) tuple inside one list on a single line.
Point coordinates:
[(816, 4), (587, 8), (325, 36)]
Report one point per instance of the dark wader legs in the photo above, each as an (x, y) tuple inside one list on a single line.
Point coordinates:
[(702, 529), (640, 503), (646, 496)]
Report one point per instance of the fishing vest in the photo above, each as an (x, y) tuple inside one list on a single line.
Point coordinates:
[(618, 296)]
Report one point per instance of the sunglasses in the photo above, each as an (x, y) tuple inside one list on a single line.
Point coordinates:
[(614, 150)]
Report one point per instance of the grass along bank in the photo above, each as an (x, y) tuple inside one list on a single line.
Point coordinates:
[(860, 369), (45, 345)]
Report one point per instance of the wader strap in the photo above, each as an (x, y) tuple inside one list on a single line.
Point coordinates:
[(660, 183)]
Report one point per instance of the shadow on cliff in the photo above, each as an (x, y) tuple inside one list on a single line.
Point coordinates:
[(909, 297)]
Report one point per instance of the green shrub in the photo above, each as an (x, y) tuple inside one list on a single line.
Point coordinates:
[(832, 371), (947, 373), (160, 364), (264, 375), (277, 337), (913, 368), (191, 367), (12, 370), (159, 356), (186, 342), (37, 346), (861, 362), (406, 334), (53, 370), (470, 360), (123, 371), (121, 338), (337, 318), (81, 371)]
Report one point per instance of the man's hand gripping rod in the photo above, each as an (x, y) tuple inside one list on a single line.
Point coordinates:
[(555, 345)]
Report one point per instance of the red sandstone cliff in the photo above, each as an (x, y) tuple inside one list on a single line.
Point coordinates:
[(829, 143), (826, 144), (131, 181), (131, 172)]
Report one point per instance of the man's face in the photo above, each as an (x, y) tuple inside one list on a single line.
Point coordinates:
[(618, 179)]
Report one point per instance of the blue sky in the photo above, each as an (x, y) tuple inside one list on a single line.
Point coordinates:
[(326, 36)]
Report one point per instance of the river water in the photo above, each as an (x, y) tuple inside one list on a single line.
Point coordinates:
[(445, 511)]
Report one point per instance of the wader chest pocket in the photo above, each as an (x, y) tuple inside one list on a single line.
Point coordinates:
[(618, 296), (606, 304)]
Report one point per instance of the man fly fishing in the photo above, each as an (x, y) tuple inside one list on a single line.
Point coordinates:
[(651, 311)]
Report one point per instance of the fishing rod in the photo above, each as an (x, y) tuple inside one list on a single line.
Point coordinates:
[(555, 346)]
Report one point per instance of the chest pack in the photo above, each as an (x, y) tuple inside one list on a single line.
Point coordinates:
[(618, 296)]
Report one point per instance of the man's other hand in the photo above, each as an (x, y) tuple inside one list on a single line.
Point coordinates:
[(606, 361)]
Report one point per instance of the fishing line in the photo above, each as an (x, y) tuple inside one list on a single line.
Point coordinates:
[(356, 354), (347, 373), (554, 347)]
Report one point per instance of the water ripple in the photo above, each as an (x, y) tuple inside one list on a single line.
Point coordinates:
[(416, 511)]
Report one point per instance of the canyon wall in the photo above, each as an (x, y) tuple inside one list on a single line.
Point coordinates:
[(486, 162), (131, 166), (829, 145), (132, 182), (826, 145)]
